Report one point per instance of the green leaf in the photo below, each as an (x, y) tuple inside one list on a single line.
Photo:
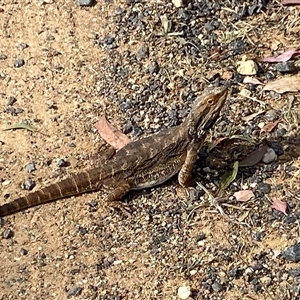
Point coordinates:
[(21, 126), (228, 177)]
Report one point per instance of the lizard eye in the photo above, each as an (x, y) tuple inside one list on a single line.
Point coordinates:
[(210, 101)]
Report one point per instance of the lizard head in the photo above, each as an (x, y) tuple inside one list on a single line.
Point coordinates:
[(206, 110)]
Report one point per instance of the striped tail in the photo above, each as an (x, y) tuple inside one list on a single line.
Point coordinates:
[(74, 185)]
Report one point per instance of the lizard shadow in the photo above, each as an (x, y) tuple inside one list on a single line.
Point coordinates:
[(222, 157)]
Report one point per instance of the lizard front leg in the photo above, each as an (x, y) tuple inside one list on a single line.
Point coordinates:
[(186, 169)]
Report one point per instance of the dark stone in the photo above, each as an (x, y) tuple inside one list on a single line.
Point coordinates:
[(184, 14), (23, 251), (13, 111), (200, 237), (7, 234), (142, 53), (28, 185), (271, 115), (238, 46), (292, 253), (258, 236), (19, 63), (258, 267), (276, 147), (294, 272), (62, 163), (217, 287), (82, 230), (30, 167), (194, 194), (154, 68), (108, 40), (136, 131), (75, 291), (285, 67), (235, 273), (291, 219), (264, 188), (11, 100), (85, 2), (127, 128), (72, 145), (3, 56), (280, 132), (238, 78), (22, 46), (256, 285), (50, 37), (74, 271), (93, 204), (269, 75)]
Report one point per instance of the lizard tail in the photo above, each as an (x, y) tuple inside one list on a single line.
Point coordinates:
[(74, 185)]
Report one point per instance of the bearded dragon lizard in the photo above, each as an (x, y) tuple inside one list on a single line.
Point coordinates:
[(140, 164)]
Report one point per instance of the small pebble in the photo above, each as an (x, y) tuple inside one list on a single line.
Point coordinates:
[(19, 63), (22, 46), (154, 68), (217, 287), (3, 56), (294, 272), (74, 291), (28, 185), (292, 253), (264, 187), (61, 163), (245, 93), (30, 167), (276, 147), (285, 67), (23, 251), (85, 2), (142, 53), (82, 230), (177, 3), (7, 234), (248, 67), (184, 292), (11, 100), (269, 156)]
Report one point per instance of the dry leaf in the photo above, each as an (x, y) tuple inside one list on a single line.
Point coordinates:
[(111, 135), (270, 126), (279, 205), (253, 80), (244, 195), (285, 56), (254, 157), (289, 2), (283, 85)]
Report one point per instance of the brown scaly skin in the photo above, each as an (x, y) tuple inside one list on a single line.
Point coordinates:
[(140, 164)]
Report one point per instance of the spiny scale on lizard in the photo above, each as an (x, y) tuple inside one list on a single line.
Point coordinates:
[(144, 163)]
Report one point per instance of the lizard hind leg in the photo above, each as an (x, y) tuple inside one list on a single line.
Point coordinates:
[(114, 195)]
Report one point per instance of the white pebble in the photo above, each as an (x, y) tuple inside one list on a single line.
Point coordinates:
[(184, 292)]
